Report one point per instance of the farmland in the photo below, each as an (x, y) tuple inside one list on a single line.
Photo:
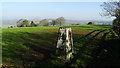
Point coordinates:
[(35, 46)]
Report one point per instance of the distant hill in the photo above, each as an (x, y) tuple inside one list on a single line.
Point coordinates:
[(68, 22), (84, 22), (103, 22), (9, 22)]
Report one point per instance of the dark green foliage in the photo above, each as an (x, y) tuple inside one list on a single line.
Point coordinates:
[(116, 25), (90, 23), (53, 23), (11, 26), (33, 24), (60, 21), (25, 23), (44, 23)]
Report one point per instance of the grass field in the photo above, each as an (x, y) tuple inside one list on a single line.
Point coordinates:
[(35, 46)]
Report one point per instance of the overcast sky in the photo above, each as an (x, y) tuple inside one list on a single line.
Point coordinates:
[(52, 10)]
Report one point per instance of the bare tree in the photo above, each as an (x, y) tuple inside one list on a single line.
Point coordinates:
[(112, 9)]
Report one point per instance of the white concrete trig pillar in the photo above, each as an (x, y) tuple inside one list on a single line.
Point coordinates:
[(65, 43)]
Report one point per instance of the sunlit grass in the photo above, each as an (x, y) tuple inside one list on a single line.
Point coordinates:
[(26, 42)]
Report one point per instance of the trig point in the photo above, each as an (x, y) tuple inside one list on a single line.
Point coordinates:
[(65, 43)]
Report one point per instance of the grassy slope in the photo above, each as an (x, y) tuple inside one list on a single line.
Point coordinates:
[(34, 45), (23, 43)]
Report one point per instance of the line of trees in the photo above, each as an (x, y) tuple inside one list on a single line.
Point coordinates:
[(45, 22)]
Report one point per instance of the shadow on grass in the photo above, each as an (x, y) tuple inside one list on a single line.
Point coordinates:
[(92, 53), (28, 49), (41, 43), (35, 49), (106, 55)]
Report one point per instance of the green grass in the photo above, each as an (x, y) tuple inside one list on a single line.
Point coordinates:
[(90, 27), (32, 45)]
